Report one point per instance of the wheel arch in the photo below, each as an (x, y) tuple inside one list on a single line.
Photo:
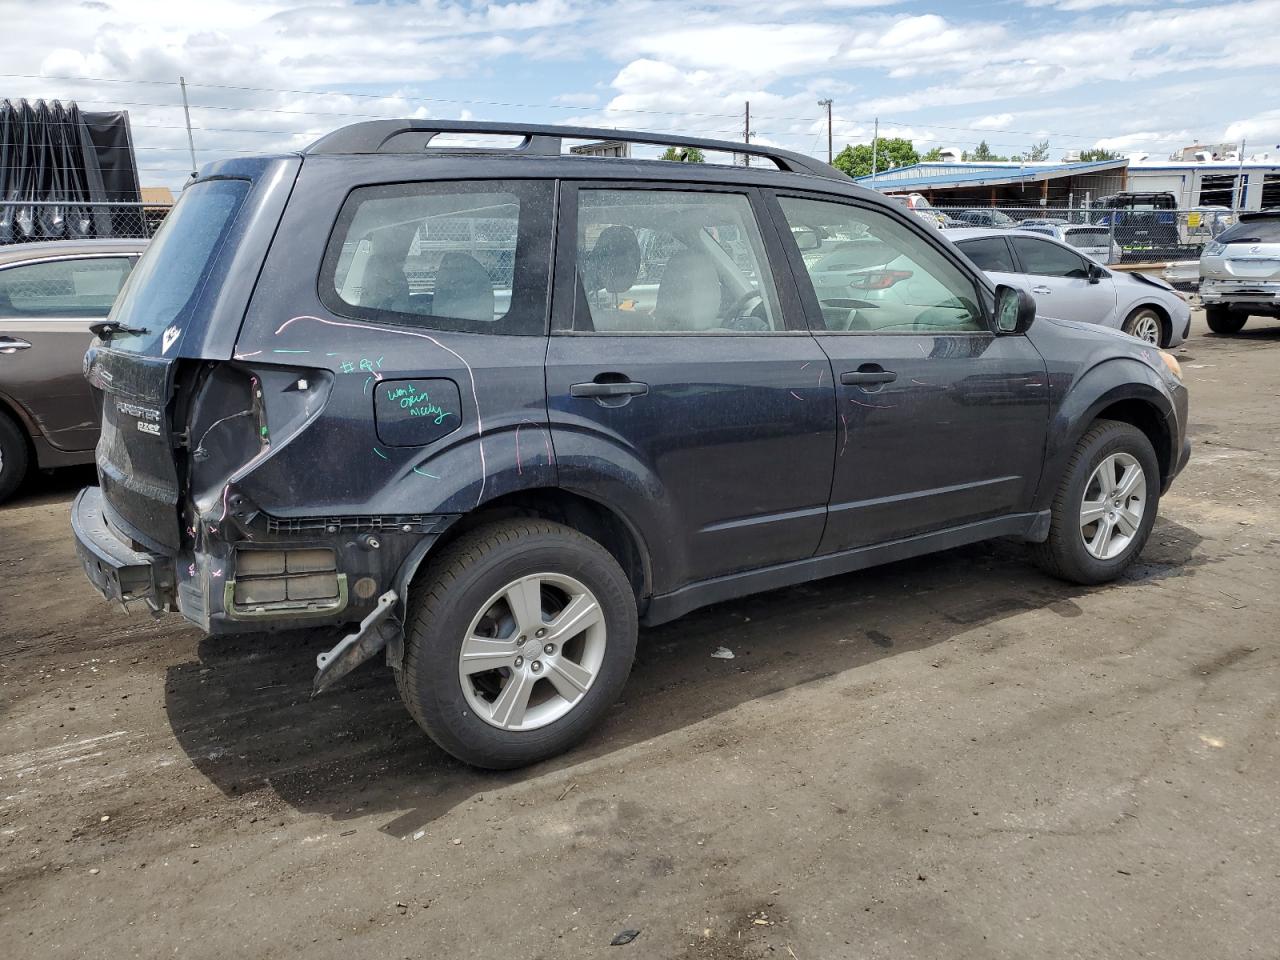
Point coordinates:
[(1166, 320)]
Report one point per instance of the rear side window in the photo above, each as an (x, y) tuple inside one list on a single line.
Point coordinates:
[(1046, 259), (1252, 231), (470, 257), (990, 254), (62, 288), (172, 273)]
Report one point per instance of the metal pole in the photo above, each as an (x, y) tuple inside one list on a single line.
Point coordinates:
[(827, 103), (1240, 184), (186, 110), (875, 153), (746, 133)]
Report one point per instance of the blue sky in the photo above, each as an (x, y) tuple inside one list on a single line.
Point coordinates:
[(1131, 75)]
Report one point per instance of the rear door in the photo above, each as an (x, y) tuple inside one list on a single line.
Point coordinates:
[(45, 311), (939, 422), (1060, 281), (682, 384)]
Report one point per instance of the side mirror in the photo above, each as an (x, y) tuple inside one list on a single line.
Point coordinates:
[(806, 238), (1015, 309), (1095, 272)]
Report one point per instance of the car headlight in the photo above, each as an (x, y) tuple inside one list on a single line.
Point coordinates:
[(1171, 362)]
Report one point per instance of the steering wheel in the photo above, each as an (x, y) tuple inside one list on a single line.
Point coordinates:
[(738, 307)]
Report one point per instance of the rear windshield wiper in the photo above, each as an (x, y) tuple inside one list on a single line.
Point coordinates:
[(108, 328)]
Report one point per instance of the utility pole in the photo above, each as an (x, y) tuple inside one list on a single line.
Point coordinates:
[(186, 110), (746, 133), (875, 153), (827, 103)]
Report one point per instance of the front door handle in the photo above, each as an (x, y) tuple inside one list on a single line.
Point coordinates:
[(1041, 290), (596, 389), (868, 373), (13, 345)]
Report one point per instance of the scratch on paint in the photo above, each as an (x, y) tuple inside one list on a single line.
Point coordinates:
[(844, 421), (475, 396), (920, 383), (821, 374), (290, 351), (380, 453), (423, 473), (872, 406), (246, 356), (546, 442), (805, 364), (796, 395)]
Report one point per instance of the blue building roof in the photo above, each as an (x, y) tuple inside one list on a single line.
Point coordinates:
[(967, 174)]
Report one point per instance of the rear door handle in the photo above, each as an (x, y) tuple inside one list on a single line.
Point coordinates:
[(868, 373), (13, 345), (626, 388), (1041, 290)]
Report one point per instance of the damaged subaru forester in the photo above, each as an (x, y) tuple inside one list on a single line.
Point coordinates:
[(491, 407)]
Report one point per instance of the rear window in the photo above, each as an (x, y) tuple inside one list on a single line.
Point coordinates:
[(159, 294), (1088, 237), (1262, 230), (472, 257)]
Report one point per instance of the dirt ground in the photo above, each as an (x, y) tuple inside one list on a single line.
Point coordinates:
[(950, 757)]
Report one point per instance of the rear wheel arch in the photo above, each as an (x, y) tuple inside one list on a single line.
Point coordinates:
[(592, 519)]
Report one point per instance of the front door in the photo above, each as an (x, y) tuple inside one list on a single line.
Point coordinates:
[(45, 311), (939, 421), (680, 365), (1065, 284)]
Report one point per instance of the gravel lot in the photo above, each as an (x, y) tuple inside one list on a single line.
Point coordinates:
[(950, 757)]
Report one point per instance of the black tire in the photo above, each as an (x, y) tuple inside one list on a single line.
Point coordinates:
[(1064, 553), (1223, 319), (1138, 319), (456, 587), (14, 456)]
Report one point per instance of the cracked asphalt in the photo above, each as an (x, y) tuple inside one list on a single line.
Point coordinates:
[(949, 757)]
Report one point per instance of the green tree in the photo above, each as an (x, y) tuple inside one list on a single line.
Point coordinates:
[(889, 152), (933, 156), (1039, 152), (982, 152), (683, 155), (1096, 153)]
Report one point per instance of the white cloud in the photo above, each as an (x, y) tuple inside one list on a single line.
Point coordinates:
[(994, 121)]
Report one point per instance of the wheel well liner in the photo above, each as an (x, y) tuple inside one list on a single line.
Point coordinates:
[(1147, 418)]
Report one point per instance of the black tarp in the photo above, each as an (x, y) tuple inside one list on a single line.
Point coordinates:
[(55, 161)]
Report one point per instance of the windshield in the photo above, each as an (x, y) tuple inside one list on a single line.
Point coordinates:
[(157, 297), (1262, 230)]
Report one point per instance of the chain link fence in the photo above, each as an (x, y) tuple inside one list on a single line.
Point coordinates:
[(30, 221), (1113, 236)]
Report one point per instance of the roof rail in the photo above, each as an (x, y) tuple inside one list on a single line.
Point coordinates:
[(540, 139)]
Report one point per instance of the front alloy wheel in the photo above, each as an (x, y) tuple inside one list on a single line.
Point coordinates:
[(1145, 325), (1113, 506)]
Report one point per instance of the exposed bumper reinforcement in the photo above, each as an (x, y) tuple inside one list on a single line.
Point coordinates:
[(115, 568), (375, 632)]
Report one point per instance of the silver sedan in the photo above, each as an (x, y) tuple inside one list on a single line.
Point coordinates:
[(1070, 286)]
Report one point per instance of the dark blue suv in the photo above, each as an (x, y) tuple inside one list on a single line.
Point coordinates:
[(495, 407)]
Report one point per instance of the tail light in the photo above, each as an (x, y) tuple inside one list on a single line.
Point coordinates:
[(879, 279)]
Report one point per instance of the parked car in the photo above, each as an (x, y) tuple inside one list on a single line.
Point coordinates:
[(1093, 242), (50, 294), (1070, 286), (497, 473), (1183, 275), (1240, 272), (984, 217)]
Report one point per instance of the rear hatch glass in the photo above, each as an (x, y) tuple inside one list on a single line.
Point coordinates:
[(1089, 238), (1253, 231), (170, 277)]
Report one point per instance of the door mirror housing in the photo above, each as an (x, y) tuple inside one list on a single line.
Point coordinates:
[(806, 238), (1015, 309), (1095, 272)]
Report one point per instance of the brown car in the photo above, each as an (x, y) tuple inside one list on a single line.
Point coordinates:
[(49, 295)]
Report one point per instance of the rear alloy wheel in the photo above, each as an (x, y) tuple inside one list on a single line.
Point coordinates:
[(13, 457), (1105, 505), (1145, 324), (1223, 319), (519, 637)]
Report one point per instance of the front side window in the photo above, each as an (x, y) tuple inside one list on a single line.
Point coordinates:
[(671, 261), (989, 253), (470, 257), (871, 273), (62, 288), (1046, 259)]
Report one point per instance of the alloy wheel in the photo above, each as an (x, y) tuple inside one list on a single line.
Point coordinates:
[(1146, 326), (1114, 503), (532, 652)]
